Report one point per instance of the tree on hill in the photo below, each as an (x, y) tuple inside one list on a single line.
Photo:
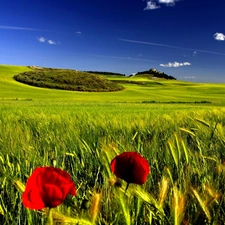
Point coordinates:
[(157, 73), (105, 73)]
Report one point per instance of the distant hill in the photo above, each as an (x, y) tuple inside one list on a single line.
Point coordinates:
[(106, 73), (72, 80), (155, 73)]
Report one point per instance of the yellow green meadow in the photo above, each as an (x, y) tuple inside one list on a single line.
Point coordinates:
[(179, 127)]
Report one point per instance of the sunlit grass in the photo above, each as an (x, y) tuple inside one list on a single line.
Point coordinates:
[(81, 133), (181, 151)]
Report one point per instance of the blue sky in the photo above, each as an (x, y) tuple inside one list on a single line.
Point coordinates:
[(183, 38)]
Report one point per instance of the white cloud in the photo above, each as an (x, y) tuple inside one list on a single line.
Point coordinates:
[(219, 36), (78, 32), (18, 28), (51, 42), (154, 4), (151, 6), (41, 39), (194, 53), (168, 2), (190, 77), (175, 64)]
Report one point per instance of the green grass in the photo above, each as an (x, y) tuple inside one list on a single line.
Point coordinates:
[(82, 132)]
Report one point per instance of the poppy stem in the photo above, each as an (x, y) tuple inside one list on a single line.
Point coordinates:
[(126, 188), (49, 220)]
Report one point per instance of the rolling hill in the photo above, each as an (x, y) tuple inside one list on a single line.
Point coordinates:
[(136, 89)]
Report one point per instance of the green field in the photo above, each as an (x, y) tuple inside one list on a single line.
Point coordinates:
[(152, 90), (179, 127)]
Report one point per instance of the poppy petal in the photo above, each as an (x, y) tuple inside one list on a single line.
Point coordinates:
[(35, 179), (56, 176), (68, 189), (121, 169), (47, 187), (32, 199), (52, 195)]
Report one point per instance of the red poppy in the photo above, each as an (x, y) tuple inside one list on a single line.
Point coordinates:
[(47, 187), (131, 167)]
